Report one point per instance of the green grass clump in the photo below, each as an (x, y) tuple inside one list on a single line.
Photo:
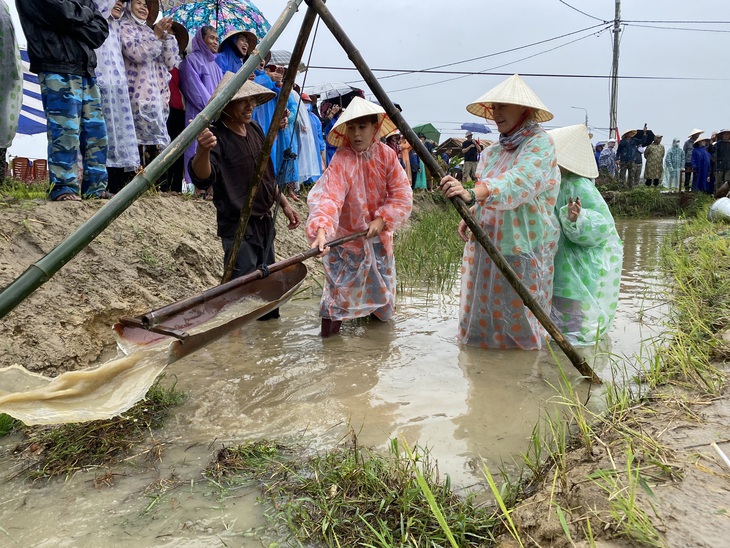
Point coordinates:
[(256, 459), (13, 190), (7, 424), (644, 202), (61, 450), (354, 497)]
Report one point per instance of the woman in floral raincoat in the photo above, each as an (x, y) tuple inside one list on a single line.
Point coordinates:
[(11, 84), (149, 55), (364, 188), (590, 253), (122, 153), (514, 202)]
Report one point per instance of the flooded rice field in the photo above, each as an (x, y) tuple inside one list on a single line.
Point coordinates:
[(404, 379)]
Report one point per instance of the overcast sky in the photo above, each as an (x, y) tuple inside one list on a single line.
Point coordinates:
[(677, 75)]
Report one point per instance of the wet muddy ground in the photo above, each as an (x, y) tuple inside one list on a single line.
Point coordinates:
[(279, 380)]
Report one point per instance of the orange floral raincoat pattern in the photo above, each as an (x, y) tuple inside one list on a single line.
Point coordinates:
[(355, 189), (519, 217)]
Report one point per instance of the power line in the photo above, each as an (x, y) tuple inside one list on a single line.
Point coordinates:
[(537, 75), (673, 28), (677, 22), (493, 54), (499, 66), (582, 12)]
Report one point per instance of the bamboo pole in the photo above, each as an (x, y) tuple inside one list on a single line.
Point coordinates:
[(263, 160), (44, 269), (160, 315), (576, 359)]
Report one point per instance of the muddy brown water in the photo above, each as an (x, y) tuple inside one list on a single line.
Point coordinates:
[(406, 379)]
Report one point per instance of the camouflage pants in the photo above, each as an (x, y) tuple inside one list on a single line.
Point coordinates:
[(76, 130)]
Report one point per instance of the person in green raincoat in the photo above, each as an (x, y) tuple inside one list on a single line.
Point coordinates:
[(590, 252), (11, 84)]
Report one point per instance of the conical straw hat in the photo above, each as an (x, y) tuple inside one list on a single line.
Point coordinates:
[(696, 132), (513, 91), (574, 151), (249, 89), (250, 38), (359, 108)]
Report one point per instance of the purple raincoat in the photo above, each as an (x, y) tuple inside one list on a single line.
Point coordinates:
[(199, 76)]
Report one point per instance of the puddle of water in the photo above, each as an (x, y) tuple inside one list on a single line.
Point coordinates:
[(407, 379)]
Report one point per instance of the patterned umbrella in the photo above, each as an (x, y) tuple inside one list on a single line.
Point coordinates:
[(225, 15)]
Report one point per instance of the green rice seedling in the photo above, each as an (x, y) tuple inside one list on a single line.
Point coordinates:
[(429, 251), (630, 520), (68, 448), (506, 515), (568, 398), (588, 533), (699, 285), (563, 522), (533, 458), (623, 390), (558, 444), (643, 202)]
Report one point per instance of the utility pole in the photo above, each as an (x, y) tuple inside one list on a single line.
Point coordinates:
[(585, 110), (614, 73)]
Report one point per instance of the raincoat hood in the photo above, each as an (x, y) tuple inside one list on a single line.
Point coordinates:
[(201, 47)]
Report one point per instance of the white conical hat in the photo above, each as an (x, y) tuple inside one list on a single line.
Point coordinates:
[(359, 108), (696, 132), (513, 91), (574, 151), (251, 89)]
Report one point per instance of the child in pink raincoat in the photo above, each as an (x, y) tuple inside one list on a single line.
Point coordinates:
[(364, 188)]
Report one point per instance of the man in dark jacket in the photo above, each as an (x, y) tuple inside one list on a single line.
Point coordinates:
[(62, 36), (470, 148), (722, 165), (628, 157)]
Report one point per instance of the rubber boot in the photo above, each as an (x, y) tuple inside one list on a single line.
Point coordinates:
[(330, 327)]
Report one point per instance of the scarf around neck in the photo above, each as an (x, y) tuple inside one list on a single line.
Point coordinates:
[(511, 142), (134, 18)]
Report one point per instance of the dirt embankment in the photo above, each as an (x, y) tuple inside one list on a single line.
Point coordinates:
[(160, 250)]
